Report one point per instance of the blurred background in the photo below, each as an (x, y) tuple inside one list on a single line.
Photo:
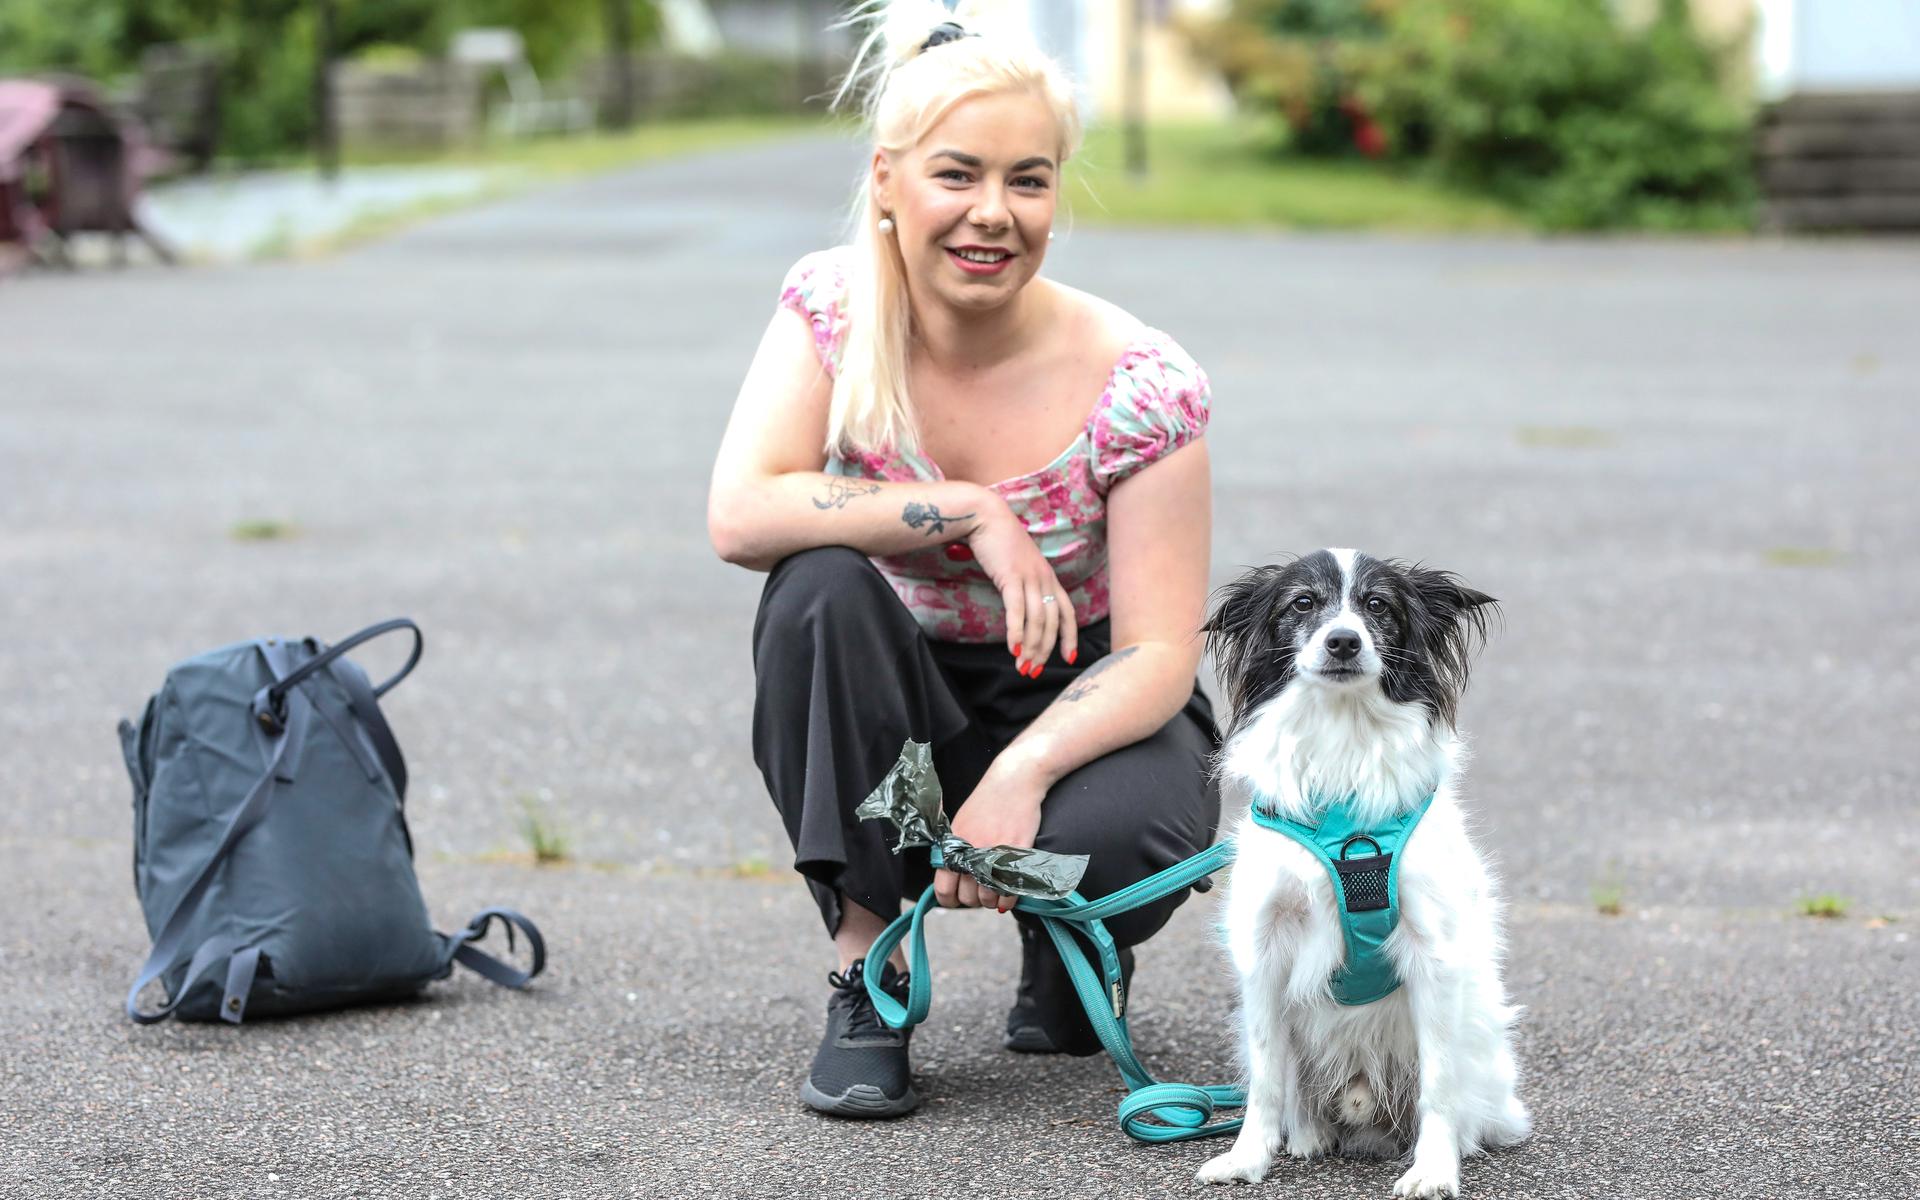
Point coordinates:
[(438, 310), (220, 120)]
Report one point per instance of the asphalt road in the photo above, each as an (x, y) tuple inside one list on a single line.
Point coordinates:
[(1685, 467)]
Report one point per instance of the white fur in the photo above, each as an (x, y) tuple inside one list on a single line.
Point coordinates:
[(1433, 1062)]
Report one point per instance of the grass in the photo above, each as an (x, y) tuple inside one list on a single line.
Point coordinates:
[(541, 831), (1803, 556), (1609, 895), (754, 866), (1826, 906), (1226, 176), (1562, 437), (595, 151), (261, 530)]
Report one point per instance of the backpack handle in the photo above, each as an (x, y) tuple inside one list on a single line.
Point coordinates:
[(277, 694)]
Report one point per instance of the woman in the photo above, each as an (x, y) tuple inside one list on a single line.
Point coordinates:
[(940, 568)]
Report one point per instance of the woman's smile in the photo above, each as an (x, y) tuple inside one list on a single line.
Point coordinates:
[(979, 260)]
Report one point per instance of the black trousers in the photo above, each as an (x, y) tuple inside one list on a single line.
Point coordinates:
[(844, 674)]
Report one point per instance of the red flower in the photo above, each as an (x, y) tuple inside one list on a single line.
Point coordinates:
[(1367, 136)]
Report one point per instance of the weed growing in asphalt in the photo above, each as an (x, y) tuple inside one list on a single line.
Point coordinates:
[(1609, 893), (261, 530), (541, 830), (1826, 906)]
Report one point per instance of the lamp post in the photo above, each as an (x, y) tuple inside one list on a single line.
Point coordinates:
[(326, 134), (1136, 88), (619, 17)]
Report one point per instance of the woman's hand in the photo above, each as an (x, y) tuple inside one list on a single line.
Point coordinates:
[(1003, 811), (1039, 614)]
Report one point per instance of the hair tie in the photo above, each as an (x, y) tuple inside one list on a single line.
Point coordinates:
[(946, 31)]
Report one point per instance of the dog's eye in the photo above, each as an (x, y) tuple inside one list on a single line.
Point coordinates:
[(1376, 605), (1303, 604)]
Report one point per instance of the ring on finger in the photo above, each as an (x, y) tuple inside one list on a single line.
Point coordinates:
[(1047, 599)]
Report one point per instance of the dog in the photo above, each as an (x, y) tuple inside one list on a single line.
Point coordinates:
[(1343, 676)]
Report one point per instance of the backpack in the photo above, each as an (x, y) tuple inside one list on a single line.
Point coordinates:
[(270, 846)]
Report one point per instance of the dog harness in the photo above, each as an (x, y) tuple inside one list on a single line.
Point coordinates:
[(1366, 888)]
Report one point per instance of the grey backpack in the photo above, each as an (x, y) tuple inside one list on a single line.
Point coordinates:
[(270, 844)]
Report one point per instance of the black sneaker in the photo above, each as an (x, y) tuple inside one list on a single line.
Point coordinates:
[(1047, 1016), (861, 1067)]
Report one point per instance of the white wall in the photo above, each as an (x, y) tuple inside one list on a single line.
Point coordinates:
[(1838, 45)]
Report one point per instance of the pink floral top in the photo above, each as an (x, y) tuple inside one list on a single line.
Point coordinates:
[(1155, 402)]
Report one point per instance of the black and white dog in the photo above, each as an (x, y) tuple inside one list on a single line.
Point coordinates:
[(1344, 673)]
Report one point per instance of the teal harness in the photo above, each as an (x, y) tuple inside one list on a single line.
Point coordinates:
[(1366, 888), (1154, 1111)]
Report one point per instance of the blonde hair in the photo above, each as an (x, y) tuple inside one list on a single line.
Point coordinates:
[(904, 91)]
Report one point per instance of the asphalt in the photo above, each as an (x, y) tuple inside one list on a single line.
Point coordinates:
[(1685, 467)]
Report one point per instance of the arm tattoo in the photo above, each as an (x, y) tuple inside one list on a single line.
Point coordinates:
[(840, 491), (1084, 686), (917, 514)]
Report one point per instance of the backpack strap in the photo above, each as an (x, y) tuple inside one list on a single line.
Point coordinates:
[(365, 703), (169, 945), (319, 661), (462, 950)]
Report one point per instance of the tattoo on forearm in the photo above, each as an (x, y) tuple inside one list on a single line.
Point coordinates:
[(839, 491), (929, 519), (1084, 686)]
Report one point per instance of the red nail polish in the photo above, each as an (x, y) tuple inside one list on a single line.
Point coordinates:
[(1016, 649), (1072, 654)]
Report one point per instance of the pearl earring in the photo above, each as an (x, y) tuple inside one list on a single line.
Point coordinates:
[(886, 224), (1049, 235)]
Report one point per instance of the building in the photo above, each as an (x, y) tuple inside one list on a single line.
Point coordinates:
[(1839, 139)]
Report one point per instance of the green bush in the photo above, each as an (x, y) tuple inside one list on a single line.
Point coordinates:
[(1551, 105), (267, 48), (1302, 60)]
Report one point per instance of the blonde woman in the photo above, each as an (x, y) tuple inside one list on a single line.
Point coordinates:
[(983, 501)]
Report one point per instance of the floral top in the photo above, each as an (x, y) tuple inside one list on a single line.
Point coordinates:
[(1155, 401)]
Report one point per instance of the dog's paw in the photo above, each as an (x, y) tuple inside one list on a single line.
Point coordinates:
[(1513, 1126), (1312, 1140), (1235, 1166), (1428, 1182)]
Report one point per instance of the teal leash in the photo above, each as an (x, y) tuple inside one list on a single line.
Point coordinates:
[(1153, 1111)]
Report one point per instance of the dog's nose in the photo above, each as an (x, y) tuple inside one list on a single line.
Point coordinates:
[(1343, 644)]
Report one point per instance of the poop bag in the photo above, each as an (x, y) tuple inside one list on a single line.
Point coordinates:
[(910, 797)]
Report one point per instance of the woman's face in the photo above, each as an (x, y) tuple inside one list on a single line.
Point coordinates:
[(973, 202)]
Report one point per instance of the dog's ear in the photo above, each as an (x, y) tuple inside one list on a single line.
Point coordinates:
[(1240, 636), (1449, 619), (1447, 599), (1238, 610)]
